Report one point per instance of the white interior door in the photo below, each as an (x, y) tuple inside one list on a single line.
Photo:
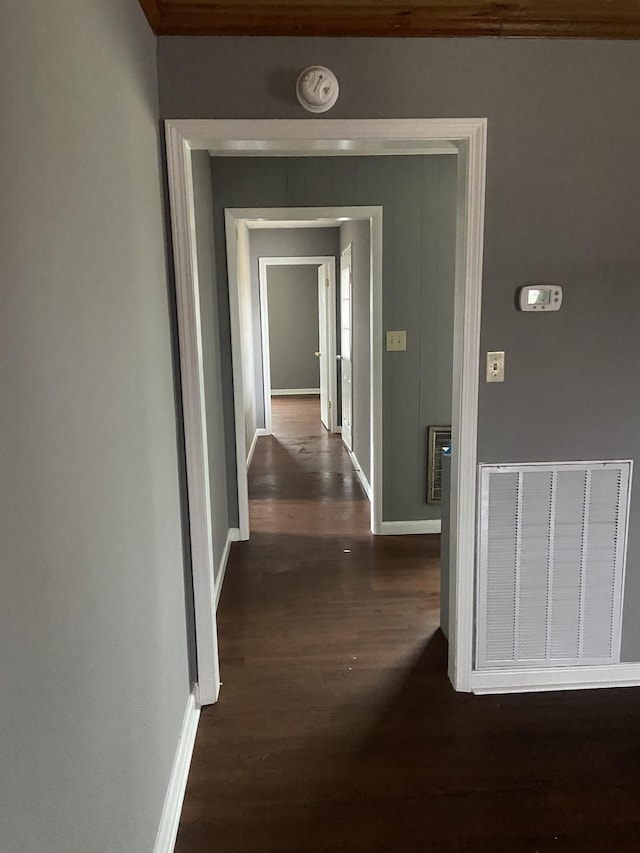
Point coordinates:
[(323, 344), (346, 340)]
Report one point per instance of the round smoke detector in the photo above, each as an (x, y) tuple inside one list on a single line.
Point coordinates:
[(317, 89)]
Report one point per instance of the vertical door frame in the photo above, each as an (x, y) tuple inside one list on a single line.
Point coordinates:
[(185, 261), (327, 137), (237, 235), (348, 249), (326, 294), (263, 265)]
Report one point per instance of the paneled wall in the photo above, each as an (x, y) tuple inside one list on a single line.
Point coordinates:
[(562, 205)]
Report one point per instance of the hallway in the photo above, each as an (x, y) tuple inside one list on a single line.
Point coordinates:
[(337, 729), (319, 625)]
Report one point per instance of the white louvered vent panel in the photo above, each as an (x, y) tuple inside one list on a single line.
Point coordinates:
[(551, 563), (500, 578), (535, 520), (567, 564), (599, 592)]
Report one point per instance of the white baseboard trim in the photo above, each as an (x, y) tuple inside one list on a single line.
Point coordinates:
[(401, 528), (293, 392), (556, 678), (260, 431), (170, 819), (232, 536), (361, 475)]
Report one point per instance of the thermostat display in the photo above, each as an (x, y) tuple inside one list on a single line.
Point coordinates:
[(540, 297)]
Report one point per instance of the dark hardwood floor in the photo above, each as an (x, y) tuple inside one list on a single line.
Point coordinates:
[(337, 729)]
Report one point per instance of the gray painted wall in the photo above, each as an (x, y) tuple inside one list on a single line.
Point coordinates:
[(562, 205), (93, 669), (292, 297), (280, 243), (211, 353), (418, 195), (358, 234)]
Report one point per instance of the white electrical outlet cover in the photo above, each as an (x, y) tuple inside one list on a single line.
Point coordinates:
[(495, 366), (397, 341)]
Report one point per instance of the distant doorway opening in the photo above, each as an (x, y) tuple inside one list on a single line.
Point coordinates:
[(297, 321), (249, 370)]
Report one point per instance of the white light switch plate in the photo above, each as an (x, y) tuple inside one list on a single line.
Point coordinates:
[(495, 367), (396, 341)]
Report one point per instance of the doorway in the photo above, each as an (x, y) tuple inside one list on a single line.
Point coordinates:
[(467, 137), (317, 309), (240, 226)]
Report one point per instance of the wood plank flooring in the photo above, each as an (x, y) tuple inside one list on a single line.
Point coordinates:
[(337, 729)]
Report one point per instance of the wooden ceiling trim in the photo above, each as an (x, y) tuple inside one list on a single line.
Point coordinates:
[(153, 14), (331, 23), (618, 30), (591, 19)]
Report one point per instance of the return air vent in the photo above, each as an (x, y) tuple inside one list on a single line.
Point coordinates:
[(439, 438), (551, 563)]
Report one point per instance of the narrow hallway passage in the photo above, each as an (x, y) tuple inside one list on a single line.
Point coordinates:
[(319, 623)]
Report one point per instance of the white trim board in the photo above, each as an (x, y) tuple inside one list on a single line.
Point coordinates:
[(236, 234), (185, 261), (172, 809), (344, 298), (402, 528), (258, 433), (328, 137), (361, 475), (232, 536), (294, 392), (555, 678)]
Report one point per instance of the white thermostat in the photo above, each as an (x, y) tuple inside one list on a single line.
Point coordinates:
[(540, 297)]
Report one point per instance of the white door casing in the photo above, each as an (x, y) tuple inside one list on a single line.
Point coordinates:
[(327, 405), (327, 137), (236, 219), (266, 346), (346, 345)]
